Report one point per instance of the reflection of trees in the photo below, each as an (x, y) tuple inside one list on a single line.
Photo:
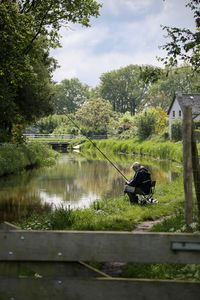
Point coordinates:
[(17, 205)]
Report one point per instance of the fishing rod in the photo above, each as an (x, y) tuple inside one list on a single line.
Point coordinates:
[(97, 148)]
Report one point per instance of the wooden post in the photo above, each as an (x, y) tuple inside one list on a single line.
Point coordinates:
[(187, 162), (196, 169)]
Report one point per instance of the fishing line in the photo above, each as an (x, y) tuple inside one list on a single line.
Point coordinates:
[(97, 148)]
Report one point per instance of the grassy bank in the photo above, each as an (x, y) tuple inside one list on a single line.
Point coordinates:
[(111, 214), (160, 150), (16, 158)]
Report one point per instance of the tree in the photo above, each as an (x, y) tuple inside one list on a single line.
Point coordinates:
[(121, 89), (146, 123), (29, 28), (184, 44), (182, 79), (149, 75), (69, 95), (94, 116)]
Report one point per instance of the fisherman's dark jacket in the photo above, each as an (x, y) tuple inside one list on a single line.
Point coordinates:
[(142, 179)]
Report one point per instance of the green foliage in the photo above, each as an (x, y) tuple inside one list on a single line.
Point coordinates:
[(155, 148), (149, 75), (176, 130), (15, 158), (121, 89), (17, 134), (69, 96), (146, 124), (48, 124), (94, 116), (182, 78), (162, 271), (28, 30), (184, 44)]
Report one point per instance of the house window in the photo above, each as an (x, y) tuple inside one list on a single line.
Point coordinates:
[(179, 113), (173, 113)]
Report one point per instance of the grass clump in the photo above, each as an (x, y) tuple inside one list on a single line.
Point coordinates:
[(162, 150)]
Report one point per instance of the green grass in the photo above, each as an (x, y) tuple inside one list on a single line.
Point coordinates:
[(161, 150), (162, 271)]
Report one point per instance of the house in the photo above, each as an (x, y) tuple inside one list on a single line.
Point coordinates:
[(175, 110)]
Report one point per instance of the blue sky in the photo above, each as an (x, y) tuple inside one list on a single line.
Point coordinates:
[(127, 32)]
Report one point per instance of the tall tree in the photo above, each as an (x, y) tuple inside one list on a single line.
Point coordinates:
[(69, 95), (121, 89), (184, 44), (94, 116)]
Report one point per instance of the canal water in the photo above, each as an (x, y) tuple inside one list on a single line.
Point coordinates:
[(75, 181)]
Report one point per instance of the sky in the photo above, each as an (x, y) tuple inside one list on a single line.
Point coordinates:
[(126, 32)]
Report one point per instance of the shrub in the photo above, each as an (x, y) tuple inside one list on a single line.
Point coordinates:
[(15, 158), (176, 130), (146, 124)]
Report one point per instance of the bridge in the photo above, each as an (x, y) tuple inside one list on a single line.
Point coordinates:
[(58, 140)]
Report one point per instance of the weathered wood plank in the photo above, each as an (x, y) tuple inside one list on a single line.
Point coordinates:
[(7, 226), (98, 289), (196, 169), (9, 268), (51, 269), (96, 246), (187, 163)]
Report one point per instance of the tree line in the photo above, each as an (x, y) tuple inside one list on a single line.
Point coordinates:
[(30, 28)]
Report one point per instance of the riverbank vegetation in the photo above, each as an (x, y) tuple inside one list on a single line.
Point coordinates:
[(111, 214), (16, 158), (155, 148)]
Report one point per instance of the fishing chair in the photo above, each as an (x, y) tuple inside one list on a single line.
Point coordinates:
[(148, 198)]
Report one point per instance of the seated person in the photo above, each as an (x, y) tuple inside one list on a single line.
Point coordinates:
[(140, 184)]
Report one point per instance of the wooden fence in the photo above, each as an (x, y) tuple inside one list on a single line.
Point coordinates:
[(191, 165), (56, 257)]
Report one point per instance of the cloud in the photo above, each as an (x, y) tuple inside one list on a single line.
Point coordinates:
[(115, 7), (127, 32)]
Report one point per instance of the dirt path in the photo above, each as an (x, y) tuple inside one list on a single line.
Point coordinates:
[(114, 269), (145, 226)]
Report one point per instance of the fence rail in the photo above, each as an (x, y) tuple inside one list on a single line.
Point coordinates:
[(62, 136), (57, 136), (57, 259)]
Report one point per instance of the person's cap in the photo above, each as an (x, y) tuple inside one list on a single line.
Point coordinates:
[(135, 164)]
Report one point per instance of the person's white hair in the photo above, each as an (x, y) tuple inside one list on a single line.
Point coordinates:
[(135, 164)]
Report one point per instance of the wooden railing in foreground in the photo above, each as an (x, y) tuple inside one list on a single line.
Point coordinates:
[(56, 257)]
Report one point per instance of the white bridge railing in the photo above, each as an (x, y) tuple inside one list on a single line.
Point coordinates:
[(36, 136), (55, 136)]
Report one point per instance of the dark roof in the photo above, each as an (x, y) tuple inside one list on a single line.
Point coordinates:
[(187, 99)]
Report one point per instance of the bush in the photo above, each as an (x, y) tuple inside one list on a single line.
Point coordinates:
[(176, 130), (14, 159), (146, 124)]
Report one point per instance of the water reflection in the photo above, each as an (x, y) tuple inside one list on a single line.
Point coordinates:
[(75, 181)]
